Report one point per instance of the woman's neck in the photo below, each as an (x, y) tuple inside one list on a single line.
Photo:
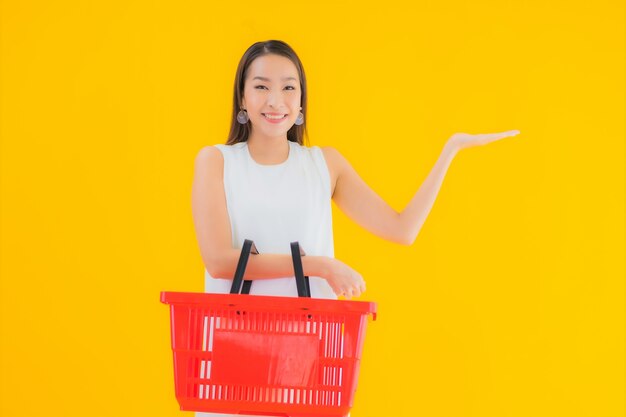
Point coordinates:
[(269, 151)]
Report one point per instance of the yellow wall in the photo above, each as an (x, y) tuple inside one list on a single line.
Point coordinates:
[(510, 302)]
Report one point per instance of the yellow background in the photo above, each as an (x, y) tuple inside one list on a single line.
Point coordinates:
[(510, 302)]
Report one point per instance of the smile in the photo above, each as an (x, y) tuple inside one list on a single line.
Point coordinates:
[(274, 118)]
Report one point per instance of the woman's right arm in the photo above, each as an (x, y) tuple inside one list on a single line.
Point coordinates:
[(213, 231)]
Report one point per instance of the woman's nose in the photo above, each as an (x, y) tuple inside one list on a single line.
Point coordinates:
[(274, 99)]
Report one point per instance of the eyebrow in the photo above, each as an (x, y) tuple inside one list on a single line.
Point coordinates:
[(267, 79)]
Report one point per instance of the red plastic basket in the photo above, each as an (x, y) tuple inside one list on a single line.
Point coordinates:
[(256, 354), (248, 354)]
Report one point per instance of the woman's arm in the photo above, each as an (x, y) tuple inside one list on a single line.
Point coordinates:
[(213, 231), (354, 197), (411, 219)]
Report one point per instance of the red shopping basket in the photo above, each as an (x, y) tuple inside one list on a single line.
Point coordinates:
[(253, 354)]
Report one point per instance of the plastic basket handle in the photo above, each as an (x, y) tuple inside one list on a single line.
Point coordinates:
[(247, 248), (302, 282)]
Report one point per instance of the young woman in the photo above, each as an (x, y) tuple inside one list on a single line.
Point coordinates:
[(266, 186)]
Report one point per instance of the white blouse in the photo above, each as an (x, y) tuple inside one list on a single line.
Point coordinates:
[(274, 205)]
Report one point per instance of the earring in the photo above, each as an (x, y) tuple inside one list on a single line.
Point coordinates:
[(300, 119), (242, 116)]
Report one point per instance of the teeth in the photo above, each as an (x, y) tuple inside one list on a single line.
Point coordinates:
[(274, 117)]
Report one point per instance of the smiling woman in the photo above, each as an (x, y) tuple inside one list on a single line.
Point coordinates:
[(269, 72), (266, 186)]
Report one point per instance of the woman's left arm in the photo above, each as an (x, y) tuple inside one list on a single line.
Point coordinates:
[(355, 198)]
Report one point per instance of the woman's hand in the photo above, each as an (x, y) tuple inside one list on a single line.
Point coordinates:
[(460, 141), (344, 280)]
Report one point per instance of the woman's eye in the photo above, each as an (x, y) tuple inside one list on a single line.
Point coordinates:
[(289, 86)]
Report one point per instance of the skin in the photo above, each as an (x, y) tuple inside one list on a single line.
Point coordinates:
[(268, 145)]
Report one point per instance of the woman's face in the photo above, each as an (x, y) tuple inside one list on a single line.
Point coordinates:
[(272, 87)]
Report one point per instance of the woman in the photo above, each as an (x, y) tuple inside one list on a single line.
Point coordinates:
[(264, 185)]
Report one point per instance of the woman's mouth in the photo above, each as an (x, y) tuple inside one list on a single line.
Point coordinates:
[(274, 118)]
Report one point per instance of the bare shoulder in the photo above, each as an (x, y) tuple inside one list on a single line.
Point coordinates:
[(209, 165), (330, 151), (335, 162), (333, 157), (209, 156)]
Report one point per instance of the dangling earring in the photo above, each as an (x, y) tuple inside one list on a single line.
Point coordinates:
[(300, 119), (242, 116)]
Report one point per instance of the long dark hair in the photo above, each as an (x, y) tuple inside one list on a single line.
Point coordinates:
[(239, 132)]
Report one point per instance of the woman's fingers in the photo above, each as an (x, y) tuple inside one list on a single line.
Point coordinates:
[(353, 292), (465, 140), (349, 293), (490, 137), (495, 136), (346, 282)]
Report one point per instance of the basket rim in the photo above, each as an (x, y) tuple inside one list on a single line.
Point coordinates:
[(270, 302)]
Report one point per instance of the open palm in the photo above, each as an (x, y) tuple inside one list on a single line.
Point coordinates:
[(465, 140)]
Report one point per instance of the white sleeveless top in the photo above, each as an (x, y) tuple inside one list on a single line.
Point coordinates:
[(274, 205)]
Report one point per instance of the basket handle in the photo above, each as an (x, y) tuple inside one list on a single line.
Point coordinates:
[(302, 282), (247, 248)]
